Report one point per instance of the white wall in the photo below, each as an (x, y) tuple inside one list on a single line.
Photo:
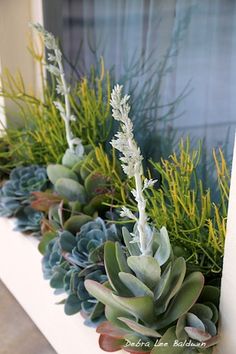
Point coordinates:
[(228, 291), (14, 39)]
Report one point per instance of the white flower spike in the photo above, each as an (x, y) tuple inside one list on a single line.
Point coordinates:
[(132, 166), (56, 68)]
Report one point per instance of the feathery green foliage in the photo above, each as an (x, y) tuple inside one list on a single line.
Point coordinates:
[(41, 139), (195, 221)]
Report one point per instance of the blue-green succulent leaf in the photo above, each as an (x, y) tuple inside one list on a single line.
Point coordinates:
[(194, 321), (136, 286), (67, 241), (72, 305), (197, 334), (122, 259), (113, 269), (70, 190), (55, 172), (146, 268), (164, 250), (138, 328), (140, 307), (131, 247), (183, 300)]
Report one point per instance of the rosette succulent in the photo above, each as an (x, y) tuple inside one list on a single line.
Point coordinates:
[(71, 259), (16, 192), (150, 299), (84, 189), (16, 196), (29, 220)]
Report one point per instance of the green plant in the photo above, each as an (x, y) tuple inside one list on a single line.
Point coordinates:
[(16, 196), (194, 214), (75, 149), (16, 192), (70, 259), (83, 189), (41, 139), (150, 295), (3, 162), (29, 220), (148, 299), (195, 221)]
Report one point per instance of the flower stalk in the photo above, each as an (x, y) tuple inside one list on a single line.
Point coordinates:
[(132, 166), (56, 68)]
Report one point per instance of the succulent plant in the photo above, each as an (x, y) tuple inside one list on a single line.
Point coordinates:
[(29, 220), (150, 302), (52, 258), (60, 216), (15, 194), (84, 189), (151, 298), (71, 259), (87, 247)]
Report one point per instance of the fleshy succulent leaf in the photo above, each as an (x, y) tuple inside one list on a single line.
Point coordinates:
[(215, 311), (95, 183), (197, 334), (146, 268), (113, 269), (57, 171), (103, 294), (149, 332), (95, 204), (169, 337), (210, 327), (140, 307), (202, 311), (183, 300), (172, 285), (74, 223), (70, 159), (164, 250), (121, 259), (194, 321), (162, 285), (47, 237), (180, 332), (57, 279), (136, 286), (70, 189), (211, 342), (210, 294), (112, 314), (132, 247), (107, 327), (44, 200), (97, 312), (110, 344), (72, 305), (67, 241)]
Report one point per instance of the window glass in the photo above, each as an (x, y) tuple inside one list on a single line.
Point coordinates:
[(176, 57)]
